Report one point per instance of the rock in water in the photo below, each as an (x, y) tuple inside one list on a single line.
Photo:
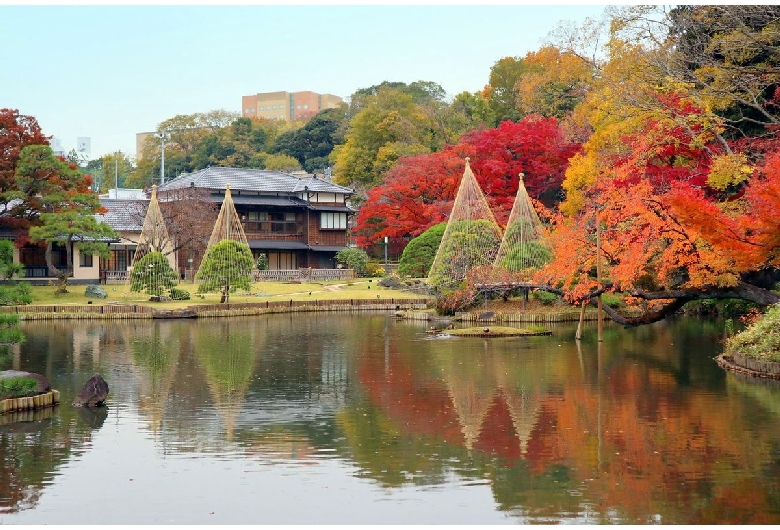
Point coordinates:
[(93, 394)]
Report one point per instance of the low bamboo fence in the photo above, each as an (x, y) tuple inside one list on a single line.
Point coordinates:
[(741, 363), (22, 404), (529, 317)]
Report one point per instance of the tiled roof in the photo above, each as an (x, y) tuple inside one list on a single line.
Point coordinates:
[(256, 180), (124, 215)]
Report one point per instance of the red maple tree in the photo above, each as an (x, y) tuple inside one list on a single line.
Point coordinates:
[(419, 191)]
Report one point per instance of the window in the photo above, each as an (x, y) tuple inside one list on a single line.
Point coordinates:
[(333, 221), (85, 260)]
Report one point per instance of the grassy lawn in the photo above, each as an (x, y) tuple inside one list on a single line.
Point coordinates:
[(361, 288)]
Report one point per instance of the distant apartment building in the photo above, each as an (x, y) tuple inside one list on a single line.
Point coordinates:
[(140, 139), (287, 106)]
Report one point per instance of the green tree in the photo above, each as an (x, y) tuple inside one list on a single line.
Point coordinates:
[(16, 132), (418, 255), (12, 292), (66, 206), (154, 274), (554, 84), (8, 269), (355, 259), (109, 171), (730, 53), (243, 143), (476, 108), (226, 266), (313, 143), (501, 90), (284, 163), (183, 135), (390, 125)]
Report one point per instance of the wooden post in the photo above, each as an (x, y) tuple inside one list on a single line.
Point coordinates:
[(578, 335), (599, 316)]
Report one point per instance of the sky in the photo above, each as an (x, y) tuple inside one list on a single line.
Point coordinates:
[(109, 72)]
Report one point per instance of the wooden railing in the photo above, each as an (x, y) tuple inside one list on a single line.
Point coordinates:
[(115, 277), (285, 275), (314, 275)]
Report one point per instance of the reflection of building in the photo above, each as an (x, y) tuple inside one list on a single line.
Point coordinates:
[(287, 106)]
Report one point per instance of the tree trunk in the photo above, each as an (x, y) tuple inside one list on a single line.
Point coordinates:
[(677, 299), (62, 276), (225, 294)]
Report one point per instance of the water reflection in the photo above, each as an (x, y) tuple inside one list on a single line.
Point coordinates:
[(642, 428)]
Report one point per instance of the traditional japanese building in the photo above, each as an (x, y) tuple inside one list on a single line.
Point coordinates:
[(297, 222)]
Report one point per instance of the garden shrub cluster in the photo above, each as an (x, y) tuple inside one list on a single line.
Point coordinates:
[(16, 387), (761, 339)]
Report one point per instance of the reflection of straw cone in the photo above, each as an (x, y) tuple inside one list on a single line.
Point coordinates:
[(284, 445), (524, 408), (154, 391), (228, 398), (228, 409), (471, 407)]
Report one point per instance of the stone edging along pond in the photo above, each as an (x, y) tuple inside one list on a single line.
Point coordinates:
[(743, 364), (133, 311)]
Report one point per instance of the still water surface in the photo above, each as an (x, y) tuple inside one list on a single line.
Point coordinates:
[(322, 419)]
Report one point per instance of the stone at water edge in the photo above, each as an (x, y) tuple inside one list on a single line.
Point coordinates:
[(93, 394)]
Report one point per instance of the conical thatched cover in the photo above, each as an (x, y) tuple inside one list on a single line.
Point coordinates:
[(472, 236), (154, 234), (228, 225), (522, 249)]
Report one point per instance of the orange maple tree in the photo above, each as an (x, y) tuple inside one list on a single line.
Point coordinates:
[(667, 244)]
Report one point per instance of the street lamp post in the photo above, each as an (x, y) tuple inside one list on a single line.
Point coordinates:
[(162, 136), (385, 254)]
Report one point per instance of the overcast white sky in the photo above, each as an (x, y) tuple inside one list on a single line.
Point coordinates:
[(108, 72)]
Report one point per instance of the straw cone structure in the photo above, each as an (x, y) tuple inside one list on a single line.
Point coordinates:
[(472, 236), (228, 225), (227, 228), (522, 249), (154, 234), (151, 267)]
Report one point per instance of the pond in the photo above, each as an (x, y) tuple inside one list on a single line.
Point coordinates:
[(326, 419)]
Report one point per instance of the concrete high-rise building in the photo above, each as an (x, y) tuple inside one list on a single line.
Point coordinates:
[(287, 106)]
